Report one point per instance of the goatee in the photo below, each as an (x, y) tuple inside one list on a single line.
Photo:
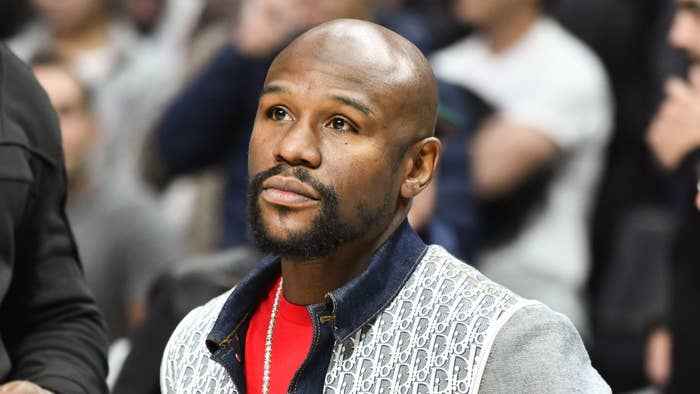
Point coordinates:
[(325, 234)]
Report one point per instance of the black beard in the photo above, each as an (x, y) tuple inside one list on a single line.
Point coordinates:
[(325, 234)]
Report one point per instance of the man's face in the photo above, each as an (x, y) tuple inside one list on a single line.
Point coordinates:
[(685, 31), (484, 13), (323, 156), (77, 126), (68, 16)]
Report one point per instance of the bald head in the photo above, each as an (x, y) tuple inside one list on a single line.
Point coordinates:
[(390, 68)]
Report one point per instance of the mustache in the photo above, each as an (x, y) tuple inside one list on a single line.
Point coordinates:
[(255, 183)]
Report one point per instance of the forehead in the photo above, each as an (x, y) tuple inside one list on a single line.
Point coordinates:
[(309, 76), (344, 68)]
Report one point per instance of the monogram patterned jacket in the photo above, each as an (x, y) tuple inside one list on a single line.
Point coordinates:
[(417, 320)]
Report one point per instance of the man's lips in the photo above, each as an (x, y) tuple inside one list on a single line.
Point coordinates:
[(288, 191)]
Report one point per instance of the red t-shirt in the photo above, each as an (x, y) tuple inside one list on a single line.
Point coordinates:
[(291, 340)]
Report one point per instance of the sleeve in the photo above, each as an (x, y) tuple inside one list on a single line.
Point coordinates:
[(57, 337), (569, 111), (140, 372), (49, 322), (169, 363), (201, 124), (186, 352), (539, 351), (183, 350)]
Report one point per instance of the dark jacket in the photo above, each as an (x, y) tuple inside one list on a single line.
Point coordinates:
[(52, 333)]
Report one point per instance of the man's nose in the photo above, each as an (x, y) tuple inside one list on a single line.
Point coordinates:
[(299, 146)]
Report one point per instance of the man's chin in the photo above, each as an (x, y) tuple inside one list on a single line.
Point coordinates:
[(285, 223), (298, 241), (285, 235)]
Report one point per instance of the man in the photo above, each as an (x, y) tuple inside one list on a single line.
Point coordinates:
[(137, 246), (351, 299), (52, 334), (130, 77), (535, 163), (674, 136)]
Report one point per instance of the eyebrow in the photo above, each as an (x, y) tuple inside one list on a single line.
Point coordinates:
[(274, 89), (358, 105)]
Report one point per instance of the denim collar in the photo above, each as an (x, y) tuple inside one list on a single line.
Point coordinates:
[(353, 305), (361, 299)]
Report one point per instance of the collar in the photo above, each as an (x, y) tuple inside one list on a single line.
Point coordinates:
[(353, 305), (356, 303)]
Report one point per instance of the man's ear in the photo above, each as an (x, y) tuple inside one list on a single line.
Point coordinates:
[(421, 166)]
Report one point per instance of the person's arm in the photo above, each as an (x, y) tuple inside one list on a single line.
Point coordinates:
[(201, 124), (56, 336), (555, 121), (53, 333), (504, 156), (539, 351)]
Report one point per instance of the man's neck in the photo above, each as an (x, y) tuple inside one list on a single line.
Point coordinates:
[(92, 36), (509, 30), (307, 282)]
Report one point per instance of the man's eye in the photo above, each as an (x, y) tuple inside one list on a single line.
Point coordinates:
[(340, 124), (278, 114)]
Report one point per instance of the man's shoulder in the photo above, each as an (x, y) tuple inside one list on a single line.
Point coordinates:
[(441, 326), (192, 330), (206, 314), (443, 281), (516, 336), (539, 350), (439, 265), (187, 351)]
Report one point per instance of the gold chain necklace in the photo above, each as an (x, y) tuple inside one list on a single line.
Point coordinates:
[(268, 340)]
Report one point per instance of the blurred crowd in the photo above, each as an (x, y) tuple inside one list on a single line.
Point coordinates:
[(554, 178)]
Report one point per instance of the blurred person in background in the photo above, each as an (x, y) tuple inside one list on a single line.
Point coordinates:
[(52, 333), (535, 162), (674, 136), (122, 239), (633, 223), (130, 75), (209, 123)]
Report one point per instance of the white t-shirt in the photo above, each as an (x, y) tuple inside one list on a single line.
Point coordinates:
[(552, 83)]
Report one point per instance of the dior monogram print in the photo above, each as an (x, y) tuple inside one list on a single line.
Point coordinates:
[(434, 337)]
